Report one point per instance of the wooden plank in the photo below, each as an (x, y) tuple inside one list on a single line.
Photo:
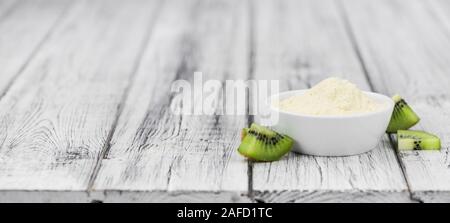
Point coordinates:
[(301, 43), (24, 26), (56, 118), (6, 7), (405, 48), (157, 156)]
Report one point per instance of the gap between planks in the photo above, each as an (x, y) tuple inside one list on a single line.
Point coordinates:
[(36, 48), (107, 146), (399, 53), (251, 75), (356, 48), (60, 41), (304, 65), (188, 151)]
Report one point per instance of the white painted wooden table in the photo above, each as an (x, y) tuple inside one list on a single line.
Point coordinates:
[(85, 96)]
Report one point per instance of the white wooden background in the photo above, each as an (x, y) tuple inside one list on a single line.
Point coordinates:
[(85, 96)]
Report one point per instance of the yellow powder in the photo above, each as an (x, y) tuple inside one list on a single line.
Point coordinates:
[(332, 96)]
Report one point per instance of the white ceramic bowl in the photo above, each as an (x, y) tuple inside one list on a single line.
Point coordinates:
[(334, 135)]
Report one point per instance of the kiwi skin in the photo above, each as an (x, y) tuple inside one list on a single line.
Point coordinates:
[(417, 140), (403, 117), (262, 144)]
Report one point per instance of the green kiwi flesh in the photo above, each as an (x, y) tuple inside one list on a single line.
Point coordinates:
[(244, 133), (403, 117), (262, 144), (417, 140)]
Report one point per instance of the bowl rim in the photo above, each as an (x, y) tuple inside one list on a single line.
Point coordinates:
[(388, 108)]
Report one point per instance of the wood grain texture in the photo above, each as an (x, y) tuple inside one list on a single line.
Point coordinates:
[(405, 50), (56, 117), (301, 43), (181, 158), (24, 26), (85, 97)]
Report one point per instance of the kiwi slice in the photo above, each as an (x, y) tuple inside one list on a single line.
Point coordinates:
[(417, 140), (262, 144), (244, 133), (403, 116)]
